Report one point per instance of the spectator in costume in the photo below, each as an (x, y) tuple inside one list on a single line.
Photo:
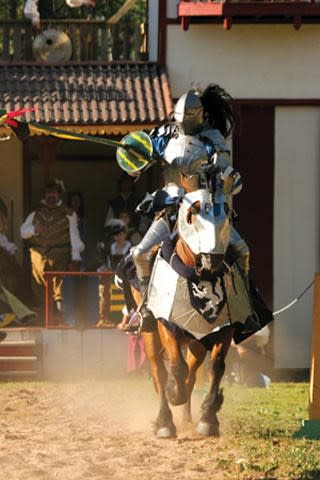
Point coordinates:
[(35, 10), (119, 247), (133, 234), (75, 202), (11, 273), (126, 200), (54, 241), (109, 252), (12, 284), (13, 290)]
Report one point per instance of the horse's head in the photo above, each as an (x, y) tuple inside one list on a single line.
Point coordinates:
[(205, 229)]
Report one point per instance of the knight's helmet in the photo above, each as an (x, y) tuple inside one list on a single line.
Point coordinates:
[(188, 111)]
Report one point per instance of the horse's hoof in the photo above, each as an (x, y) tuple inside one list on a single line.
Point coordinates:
[(166, 432), (208, 429)]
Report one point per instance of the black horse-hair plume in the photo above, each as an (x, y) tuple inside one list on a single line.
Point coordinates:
[(218, 111)]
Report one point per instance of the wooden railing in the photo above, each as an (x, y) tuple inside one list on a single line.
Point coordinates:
[(92, 40), (81, 317)]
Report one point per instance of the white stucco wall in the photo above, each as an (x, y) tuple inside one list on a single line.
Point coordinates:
[(172, 8), (153, 12), (296, 230), (276, 62), (250, 61), (11, 184)]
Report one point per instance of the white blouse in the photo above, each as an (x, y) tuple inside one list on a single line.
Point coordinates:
[(124, 250), (31, 11)]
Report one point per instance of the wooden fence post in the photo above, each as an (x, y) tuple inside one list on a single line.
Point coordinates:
[(311, 428), (314, 404)]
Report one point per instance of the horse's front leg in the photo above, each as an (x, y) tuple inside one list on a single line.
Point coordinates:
[(196, 354), (163, 426), (177, 368), (208, 424)]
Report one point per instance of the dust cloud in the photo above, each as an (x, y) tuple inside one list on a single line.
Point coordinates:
[(96, 430)]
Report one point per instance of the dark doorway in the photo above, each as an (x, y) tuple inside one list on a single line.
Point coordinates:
[(253, 157)]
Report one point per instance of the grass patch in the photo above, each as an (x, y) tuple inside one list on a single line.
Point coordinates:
[(261, 424)]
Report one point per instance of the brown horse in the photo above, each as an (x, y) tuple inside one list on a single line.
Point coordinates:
[(173, 366)]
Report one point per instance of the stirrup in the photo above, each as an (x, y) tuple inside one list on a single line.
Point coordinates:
[(134, 325)]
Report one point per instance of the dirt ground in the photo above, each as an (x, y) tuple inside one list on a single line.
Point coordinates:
[(97, 431)]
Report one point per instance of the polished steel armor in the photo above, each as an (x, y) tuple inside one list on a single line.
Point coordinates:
[(209, 230), (188, 112)]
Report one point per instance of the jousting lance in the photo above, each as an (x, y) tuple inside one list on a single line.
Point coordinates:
[(134, 151)]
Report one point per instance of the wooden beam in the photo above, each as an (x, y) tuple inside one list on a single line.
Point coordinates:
[(264, 8), (311, 428), (122, 11), (297, 22), (314, 404), (162, 33), (227, 23), (196, 9)]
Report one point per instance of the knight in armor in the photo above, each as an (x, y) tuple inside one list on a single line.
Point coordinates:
[(209, 117), (194, 154)]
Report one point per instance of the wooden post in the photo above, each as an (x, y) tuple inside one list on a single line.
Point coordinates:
[(311, 428), (314, 404)]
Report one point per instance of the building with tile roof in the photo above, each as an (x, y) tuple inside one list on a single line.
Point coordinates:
[(265, 55), (97, 92), (96, 98)]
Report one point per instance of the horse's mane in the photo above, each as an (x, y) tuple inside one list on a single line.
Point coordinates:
[(218, 111)]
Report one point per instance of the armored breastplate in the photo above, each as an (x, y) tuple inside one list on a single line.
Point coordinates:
[(186, 153)]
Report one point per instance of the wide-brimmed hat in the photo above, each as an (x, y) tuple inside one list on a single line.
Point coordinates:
[(115, 226), (55, 184)]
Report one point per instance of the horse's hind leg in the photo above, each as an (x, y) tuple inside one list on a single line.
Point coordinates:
[(163, 426), (177, 368), (208, 424)]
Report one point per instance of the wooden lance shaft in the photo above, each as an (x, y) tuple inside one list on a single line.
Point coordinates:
[(314, 404)]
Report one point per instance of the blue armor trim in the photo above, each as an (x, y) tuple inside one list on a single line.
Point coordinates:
[(160, 138)]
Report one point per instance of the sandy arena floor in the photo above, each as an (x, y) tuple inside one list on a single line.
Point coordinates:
[(95, 431)]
